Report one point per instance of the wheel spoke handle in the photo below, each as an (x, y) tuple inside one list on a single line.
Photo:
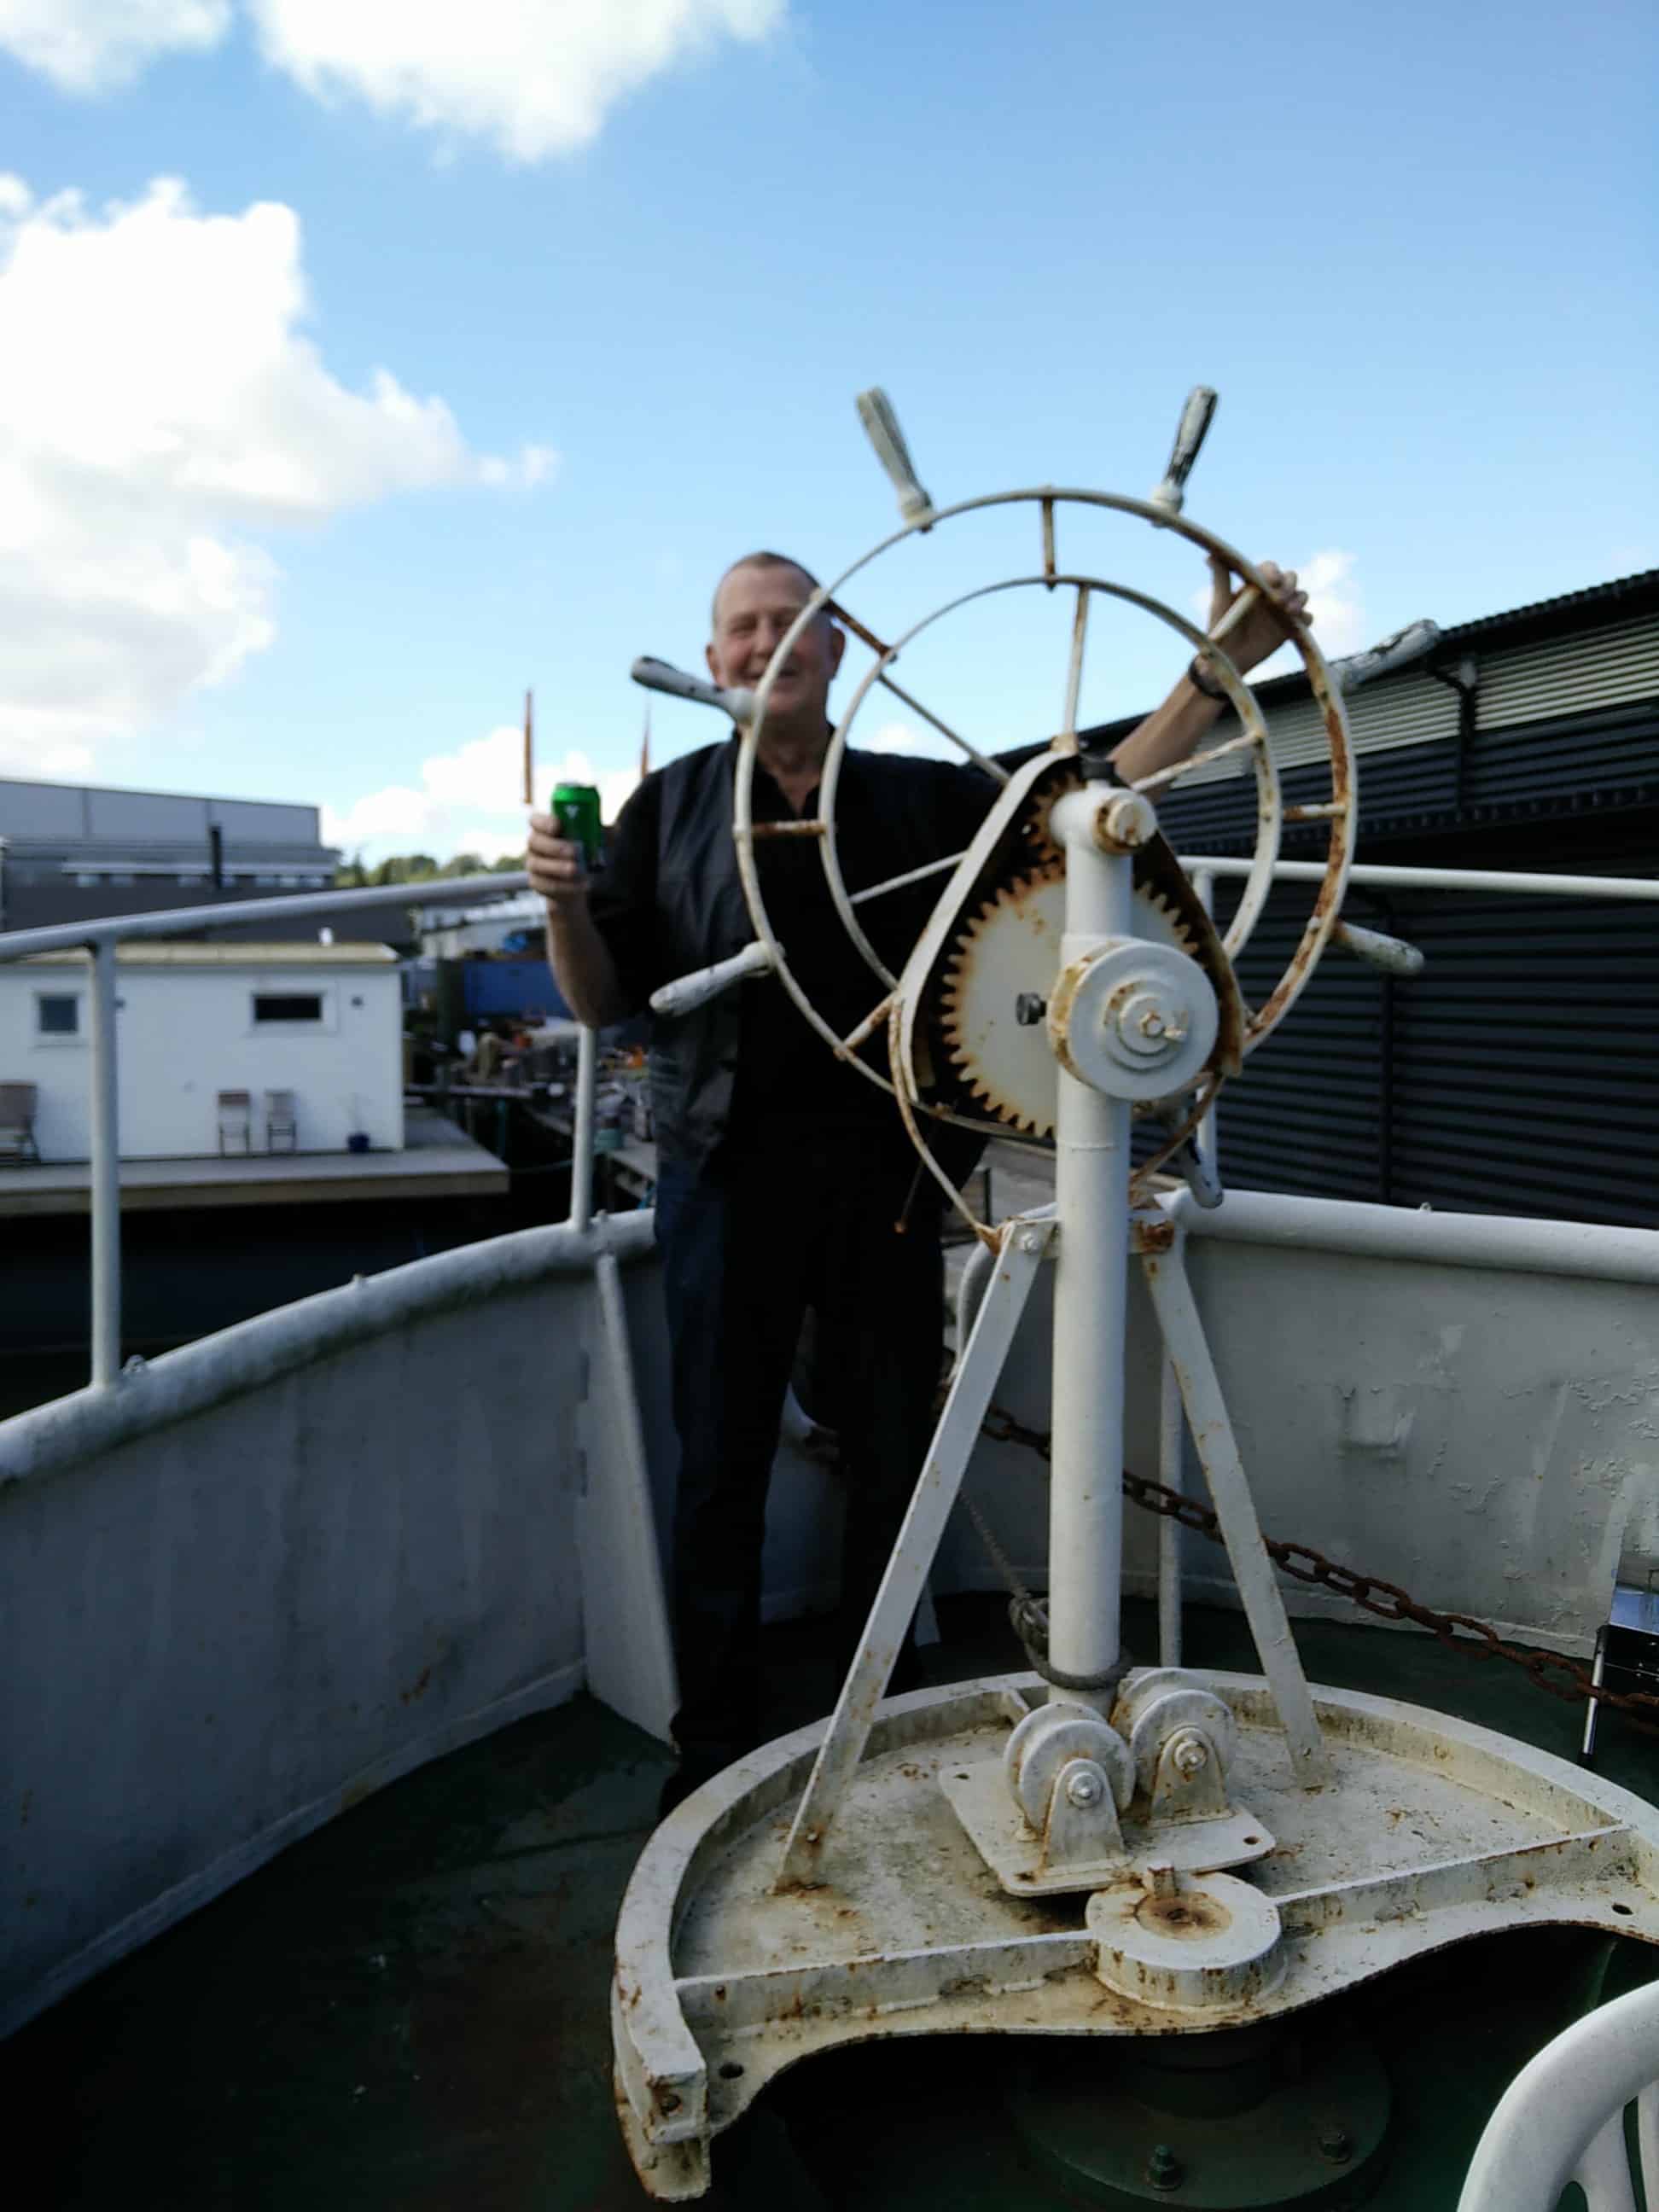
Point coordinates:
[(662, 676), (686, 993), (1195, 417)]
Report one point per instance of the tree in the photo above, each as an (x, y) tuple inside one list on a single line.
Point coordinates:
[(420, 867)]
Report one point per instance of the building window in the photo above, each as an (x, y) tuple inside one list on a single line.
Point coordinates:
[(56, 1014), (286, 1006)]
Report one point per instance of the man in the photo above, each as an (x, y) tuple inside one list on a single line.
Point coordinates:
[(786, 1182)]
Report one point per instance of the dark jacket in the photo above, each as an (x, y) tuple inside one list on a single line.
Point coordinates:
[(701, 917), (924, 810)]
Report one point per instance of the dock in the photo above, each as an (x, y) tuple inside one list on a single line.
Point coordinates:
[(437, 1161)]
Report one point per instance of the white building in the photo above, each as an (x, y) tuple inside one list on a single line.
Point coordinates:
[(322, 1021)]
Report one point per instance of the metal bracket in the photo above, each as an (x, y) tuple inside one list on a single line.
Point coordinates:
[(1212, 1432), (1025, 1241)]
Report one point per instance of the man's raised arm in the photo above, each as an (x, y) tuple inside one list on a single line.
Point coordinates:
[(1170, 733)]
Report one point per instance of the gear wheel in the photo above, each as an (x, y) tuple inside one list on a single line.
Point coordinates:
[(1045, 853), (1008, 950)]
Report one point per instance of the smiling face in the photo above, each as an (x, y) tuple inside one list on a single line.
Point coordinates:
[(755, 605)]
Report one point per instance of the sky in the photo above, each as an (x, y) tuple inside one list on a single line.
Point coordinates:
[(363, 362)]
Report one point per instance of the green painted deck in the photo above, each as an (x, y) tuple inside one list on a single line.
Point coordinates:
[(409, 2009)]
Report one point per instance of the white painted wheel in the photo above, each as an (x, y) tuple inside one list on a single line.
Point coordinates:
[(1337, 813)]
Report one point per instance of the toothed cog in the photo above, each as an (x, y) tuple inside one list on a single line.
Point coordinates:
[(1009, 948)]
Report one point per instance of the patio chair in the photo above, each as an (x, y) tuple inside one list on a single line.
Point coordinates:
[(235, 1121), (281, 1127), (1563, 2118), (17, 1143)]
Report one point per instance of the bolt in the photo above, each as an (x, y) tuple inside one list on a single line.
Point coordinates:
[(1164, 2169), (1335, 2144), (1084, 1789), (1125, 824), (1190, 1755), (1028, 1009)]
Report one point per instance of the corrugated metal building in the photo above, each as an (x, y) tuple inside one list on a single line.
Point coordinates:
[(1520, 1073), (71, 852)]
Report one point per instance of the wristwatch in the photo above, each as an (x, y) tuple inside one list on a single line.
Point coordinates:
[(1196, 676)]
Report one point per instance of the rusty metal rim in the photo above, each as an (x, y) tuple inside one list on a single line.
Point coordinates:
[(1244, 702), (1328, 901)]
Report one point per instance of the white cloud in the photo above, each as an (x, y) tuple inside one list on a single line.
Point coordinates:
[(471, 800), (158, 400), (902, 737), (535, 77), (99, 46), (44, 762), (1335, 606)]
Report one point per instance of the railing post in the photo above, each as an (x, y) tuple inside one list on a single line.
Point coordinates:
[(1206, 1137), (581, 1165), (106, 1171)]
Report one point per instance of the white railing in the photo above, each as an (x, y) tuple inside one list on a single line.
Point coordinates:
[(99, 939), (1375, 877)]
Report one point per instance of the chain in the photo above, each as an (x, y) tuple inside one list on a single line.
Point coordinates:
[(1552, 1671)]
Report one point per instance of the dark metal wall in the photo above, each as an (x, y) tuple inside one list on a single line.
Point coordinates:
[(1520, 1073), (1556, 771)]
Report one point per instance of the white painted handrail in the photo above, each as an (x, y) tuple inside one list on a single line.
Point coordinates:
[(1562, 2119), (100, 938), (1373, 875)]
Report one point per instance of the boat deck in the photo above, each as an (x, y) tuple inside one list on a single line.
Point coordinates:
[(408, 2009)]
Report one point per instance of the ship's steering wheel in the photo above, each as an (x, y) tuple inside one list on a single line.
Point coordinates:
[(1336, 812), (1243, 1028)]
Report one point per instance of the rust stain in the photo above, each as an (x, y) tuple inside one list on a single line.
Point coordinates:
[(866, 636), (1194, 1913), (1322, 919)]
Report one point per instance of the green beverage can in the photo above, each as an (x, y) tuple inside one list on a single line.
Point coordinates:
[(576, 811)]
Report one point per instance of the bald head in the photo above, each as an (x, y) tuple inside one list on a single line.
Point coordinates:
[(756, 561), (758, 603)]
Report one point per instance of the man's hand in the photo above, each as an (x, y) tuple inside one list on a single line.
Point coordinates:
[(578, 957), (1263, 629), (555, 866)]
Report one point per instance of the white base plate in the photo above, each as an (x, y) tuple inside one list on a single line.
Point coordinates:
[(1428, 1831)]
